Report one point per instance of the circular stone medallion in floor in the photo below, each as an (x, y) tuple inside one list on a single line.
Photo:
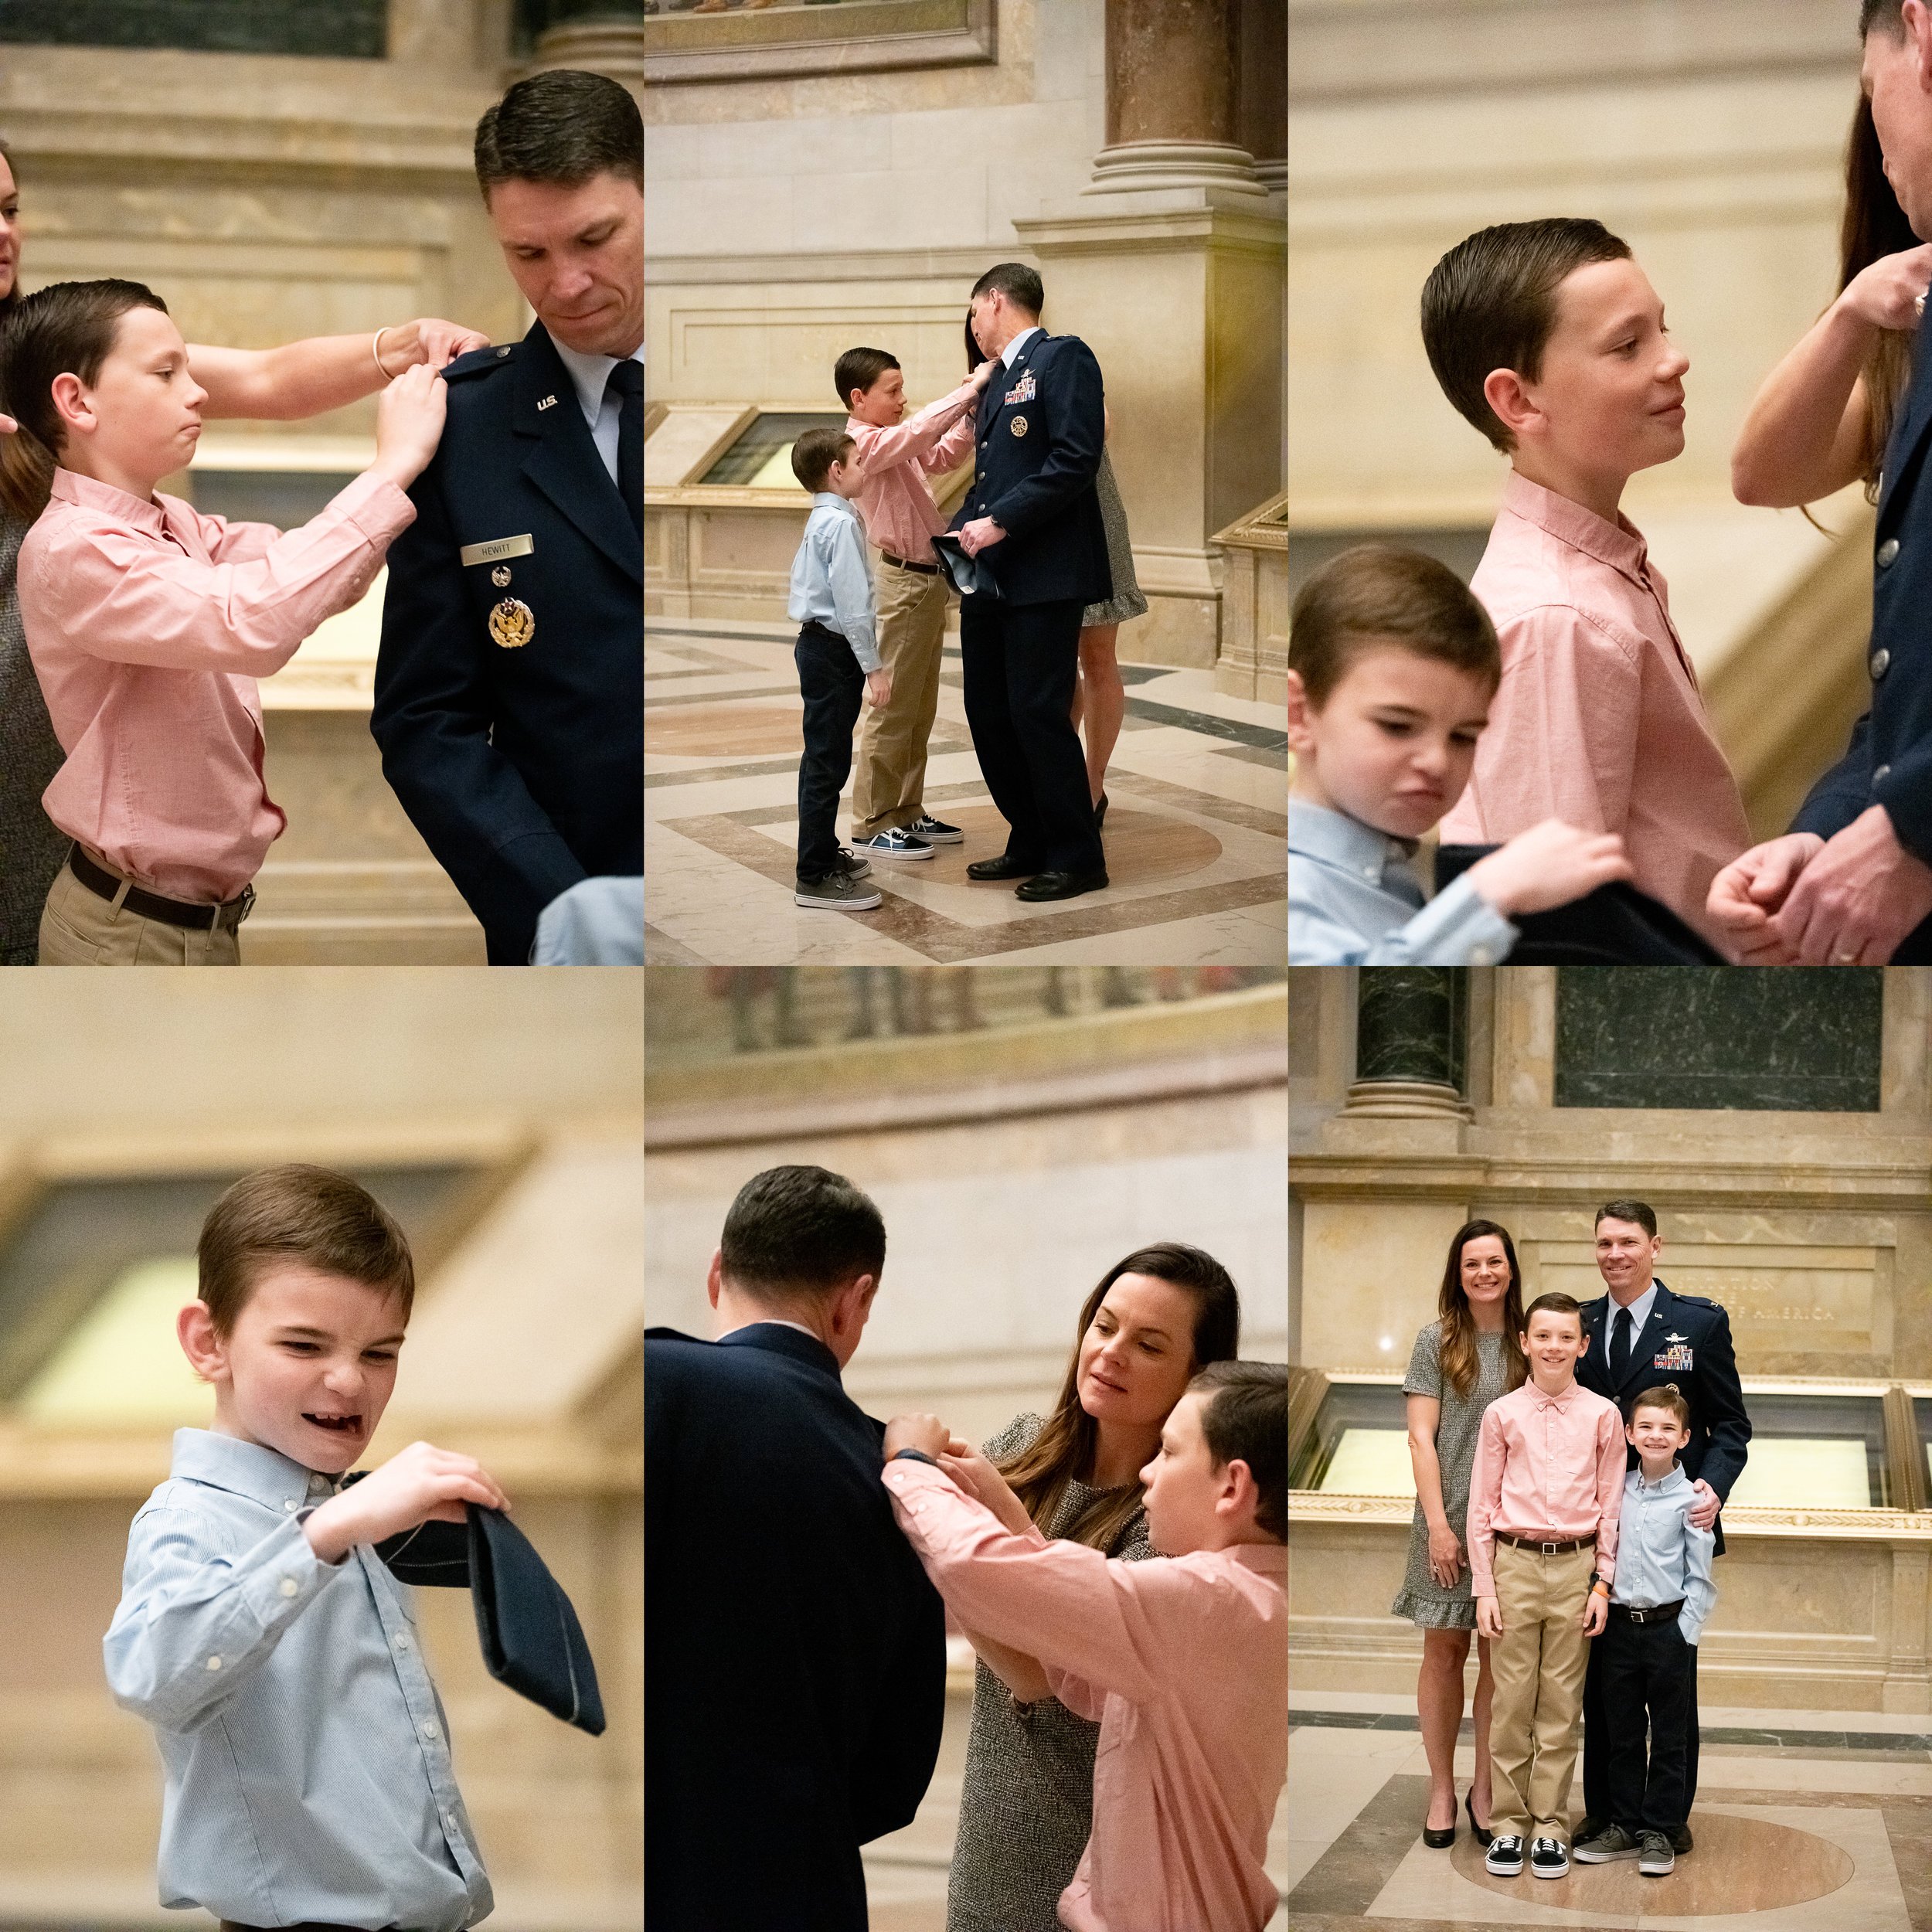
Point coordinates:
[(1741, 1864)]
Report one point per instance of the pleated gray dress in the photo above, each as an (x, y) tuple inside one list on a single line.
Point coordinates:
[(31, 850), (1026, 1804), (1422, 1599)]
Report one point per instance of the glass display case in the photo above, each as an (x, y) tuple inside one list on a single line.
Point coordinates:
[(1358, 1442), (1815, 1449), (760, 456)]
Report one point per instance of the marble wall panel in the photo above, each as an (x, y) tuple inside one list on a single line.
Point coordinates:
[(1371, 1270)]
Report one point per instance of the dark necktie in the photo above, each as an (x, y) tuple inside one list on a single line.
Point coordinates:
[(1620, 1348), (627, 380)]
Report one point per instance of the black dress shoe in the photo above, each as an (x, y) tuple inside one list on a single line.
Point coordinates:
[(1003, 867), (1680, 1840), (1100, 813), (1060, 885), (1436, 1840), (1588, 1827), (1483, 1836)]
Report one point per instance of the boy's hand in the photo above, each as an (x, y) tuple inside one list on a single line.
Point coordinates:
[(1549, 865), (409, 424), (423, 1483), (1595, 1612), (1884, 293), (926, 1433), (1489, 1618), (984, 374), (980, 1479), (878, 688)]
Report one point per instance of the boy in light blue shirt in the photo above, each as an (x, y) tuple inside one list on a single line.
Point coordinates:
[(837, 655), (306, 1751), (1660, 1600)]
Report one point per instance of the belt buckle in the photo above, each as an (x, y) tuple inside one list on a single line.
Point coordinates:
[(1552, 1549), (247, 903)]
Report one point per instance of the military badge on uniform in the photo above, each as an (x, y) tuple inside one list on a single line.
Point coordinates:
[(1678, 1357), (500, 576), (1022, 391), (1019, 426), (512, 624)]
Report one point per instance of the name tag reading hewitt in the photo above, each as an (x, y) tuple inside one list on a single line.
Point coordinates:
[(496, 551)]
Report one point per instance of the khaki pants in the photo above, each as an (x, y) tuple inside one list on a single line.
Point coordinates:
[(888, 778), (80, 928), (1539, 1663)]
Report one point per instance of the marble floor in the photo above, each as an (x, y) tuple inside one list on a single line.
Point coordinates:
[(1804, 1820), (906, 1872), (1196, 827)]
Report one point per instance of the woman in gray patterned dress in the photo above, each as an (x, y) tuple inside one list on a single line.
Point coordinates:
[(298, 380), (1463, 1361), (1100, 698), (1026, 1806)]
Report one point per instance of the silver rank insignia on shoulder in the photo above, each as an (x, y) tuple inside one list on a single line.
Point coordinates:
[(1019, 426), (547, 403), (500, 576), (512, 624)]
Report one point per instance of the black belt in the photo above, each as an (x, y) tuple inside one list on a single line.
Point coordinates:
[(1657, 1614), (1545, 1549), (900, 563), (171, 912)]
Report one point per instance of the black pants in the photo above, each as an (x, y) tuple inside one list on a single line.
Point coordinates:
[(1019, 661), (832, 685), (1646, 1675)]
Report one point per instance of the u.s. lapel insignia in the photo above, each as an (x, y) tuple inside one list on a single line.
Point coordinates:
[(512, 624), (1019, 426), (548, 402)]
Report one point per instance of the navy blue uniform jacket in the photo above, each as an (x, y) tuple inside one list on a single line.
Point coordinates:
[(794, 1653), (1889, 761), (1701, 1361), (1040, 426), (523, 769)]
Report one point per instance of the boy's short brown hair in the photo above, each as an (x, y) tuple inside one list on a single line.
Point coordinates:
[(1555, 1302), (814, 453), (1490, 303), (1245, 1418), (1665, 1395), (297, 1213), (859, 369), (1379, 593)]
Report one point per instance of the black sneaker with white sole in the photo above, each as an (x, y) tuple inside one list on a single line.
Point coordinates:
[(936, 832), (838, 892), (1657, 1860), (1503, 1858), (898, 842), (1548, 1859)]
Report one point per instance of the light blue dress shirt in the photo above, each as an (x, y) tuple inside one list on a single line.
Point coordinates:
[(1660, 1557), (306, 1751), (1353, 901), (590, 376), (831, 577)]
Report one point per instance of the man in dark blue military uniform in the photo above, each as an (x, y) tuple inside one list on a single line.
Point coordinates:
[(509, 690), (1031, 521)]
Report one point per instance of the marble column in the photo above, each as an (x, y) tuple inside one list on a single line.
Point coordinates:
[(599, 36), (1411, 1041)]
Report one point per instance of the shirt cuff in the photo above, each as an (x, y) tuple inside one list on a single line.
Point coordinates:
[(285, 1576), (1459, 927)]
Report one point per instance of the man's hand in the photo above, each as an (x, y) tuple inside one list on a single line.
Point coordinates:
[(1703, 1512), (423, 1483), (980, 1479), (1489, 1618), (982, 534), (429, 339), (878, 688), (1752, 887), (1595, 1612), (1857, 899), (926, 1433)]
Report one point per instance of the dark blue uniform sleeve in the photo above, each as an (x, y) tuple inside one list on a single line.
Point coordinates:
[(1721, 1402), (1845, 791), (890, 1774), (1073, 409), (432, 719)]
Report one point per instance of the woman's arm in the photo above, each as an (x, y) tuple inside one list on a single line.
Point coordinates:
[(321, 372), (1807, 431), (1022, 1675)]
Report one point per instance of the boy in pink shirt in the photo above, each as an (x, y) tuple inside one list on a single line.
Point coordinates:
[(1183, 1658), (1543, 1497), (888, 816), (148, 623), (1550, 339)]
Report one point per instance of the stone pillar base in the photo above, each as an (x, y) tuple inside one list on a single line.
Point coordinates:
[(1406, 1100), (1137, 165)]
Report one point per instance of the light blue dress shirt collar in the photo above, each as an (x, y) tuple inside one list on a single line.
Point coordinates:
[(590, 376), (1639, 1313), (1013, 348)]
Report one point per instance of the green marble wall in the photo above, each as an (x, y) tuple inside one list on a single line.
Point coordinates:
[(1787, 1039), (351, 29), (1412, 1024)]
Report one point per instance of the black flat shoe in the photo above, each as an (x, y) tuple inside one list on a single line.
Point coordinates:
[(1060, 885), (1100, 813), (1436, 1840), (1468, 1804), (1000, 867)]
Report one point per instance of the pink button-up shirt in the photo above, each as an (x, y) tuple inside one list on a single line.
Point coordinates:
[(1599, 721), (897, 504), (1546, 1466), (148, 624), (1183, 1660)]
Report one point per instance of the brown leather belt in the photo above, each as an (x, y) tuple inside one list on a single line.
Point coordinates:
[(1543, 1549), (171, 912), (1657, 1614), (900, 563)]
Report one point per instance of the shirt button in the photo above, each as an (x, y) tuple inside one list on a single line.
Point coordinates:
[(1881, 659), (288, 1586), (214, 1663), (289, 1505), (402, 1643), (1879, 776), (1888, 551), (429, 1732)]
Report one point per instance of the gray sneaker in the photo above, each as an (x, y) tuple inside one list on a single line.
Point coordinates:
[(1612, 1842), (838, 892), (1656, 1860), (851, 864)]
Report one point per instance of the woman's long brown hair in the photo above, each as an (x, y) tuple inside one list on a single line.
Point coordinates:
[(1874, 227), (1063, 1450), (1457, 1347)]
